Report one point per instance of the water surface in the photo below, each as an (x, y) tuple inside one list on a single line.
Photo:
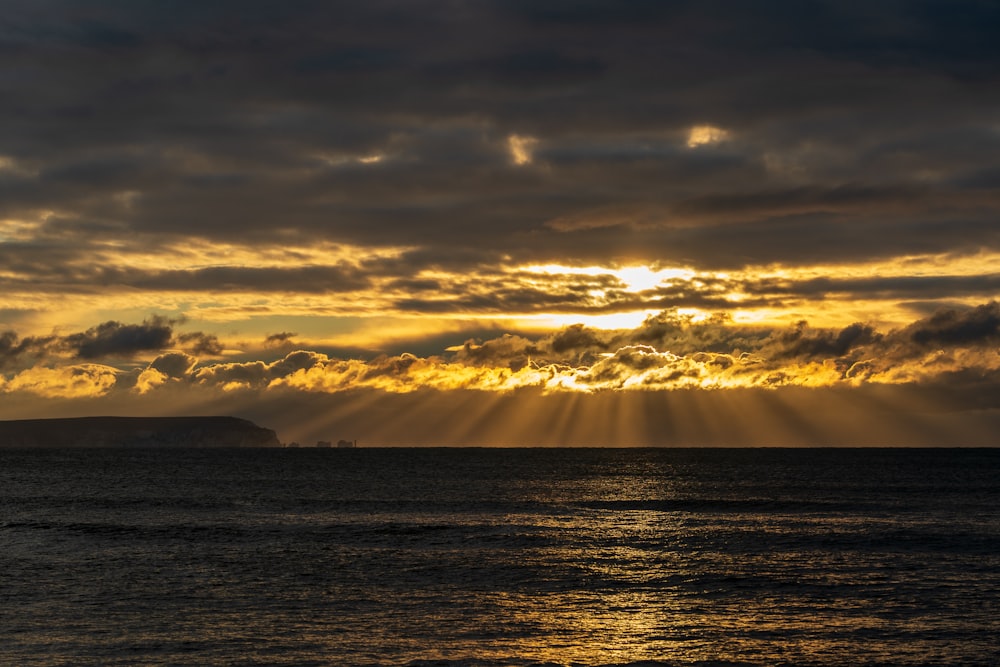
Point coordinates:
[(499, 557)]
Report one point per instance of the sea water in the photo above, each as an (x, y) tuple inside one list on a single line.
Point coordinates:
[(500, 557)]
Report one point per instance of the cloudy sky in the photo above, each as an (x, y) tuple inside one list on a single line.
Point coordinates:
[(506, 221)]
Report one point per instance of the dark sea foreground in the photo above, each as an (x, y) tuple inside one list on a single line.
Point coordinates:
[(500, 557)]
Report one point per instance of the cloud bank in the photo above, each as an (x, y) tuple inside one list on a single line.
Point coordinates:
[(468, 139), (668, 351)]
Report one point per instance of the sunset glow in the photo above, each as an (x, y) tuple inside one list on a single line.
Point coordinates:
[(574, 201)]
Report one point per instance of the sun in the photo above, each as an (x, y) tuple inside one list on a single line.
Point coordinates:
[(633, 278)]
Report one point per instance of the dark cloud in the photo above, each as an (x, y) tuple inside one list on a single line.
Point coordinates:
[(800, 341), (114, 339), (257, 374), (854, 131), (509, 350), (294, 361), (311, 279), (174, 364), (15, 350), (882, 286), (251, 374), (577, 337), (201, 343), (107, 340), (679, 334), (279, 339), (979, 325), (533, 68), (593, 12)]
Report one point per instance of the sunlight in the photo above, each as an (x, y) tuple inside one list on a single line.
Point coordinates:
[(701, 135), (609, 321), (636, 278), (343, 159), (696, 315), (520, 148), (642, 278)]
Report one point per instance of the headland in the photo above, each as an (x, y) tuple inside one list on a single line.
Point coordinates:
[(136, 432)]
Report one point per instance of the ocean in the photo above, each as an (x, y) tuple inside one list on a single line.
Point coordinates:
[(483, 557)]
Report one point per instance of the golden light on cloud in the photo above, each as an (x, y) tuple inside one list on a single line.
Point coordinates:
[(377, 310), (148, 380), (79, 381), (341, 160), (520, 148), (636, 278), (19, 229), (680, 352), (608, 321), (702, 135), (378, 298), (642, 278)]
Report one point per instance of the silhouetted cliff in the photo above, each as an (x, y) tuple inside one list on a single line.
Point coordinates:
[(136, 432)]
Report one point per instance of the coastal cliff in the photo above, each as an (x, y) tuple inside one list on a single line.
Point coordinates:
[(130, 432)]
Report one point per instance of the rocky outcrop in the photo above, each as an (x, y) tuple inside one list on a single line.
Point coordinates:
[(136, 432)]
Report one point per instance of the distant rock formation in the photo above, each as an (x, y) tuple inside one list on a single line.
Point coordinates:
[(134, 432), (341, 444)]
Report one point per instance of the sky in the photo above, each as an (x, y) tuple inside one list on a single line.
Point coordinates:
[(506, 222)]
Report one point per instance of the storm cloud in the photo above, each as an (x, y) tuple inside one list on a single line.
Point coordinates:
[(843, 132)]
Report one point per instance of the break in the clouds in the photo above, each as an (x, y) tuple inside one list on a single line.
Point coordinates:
[(391, 179)]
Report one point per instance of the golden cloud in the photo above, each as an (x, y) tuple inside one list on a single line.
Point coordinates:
[(670, 351), (78, 381), (520, 148), (701, 135)]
